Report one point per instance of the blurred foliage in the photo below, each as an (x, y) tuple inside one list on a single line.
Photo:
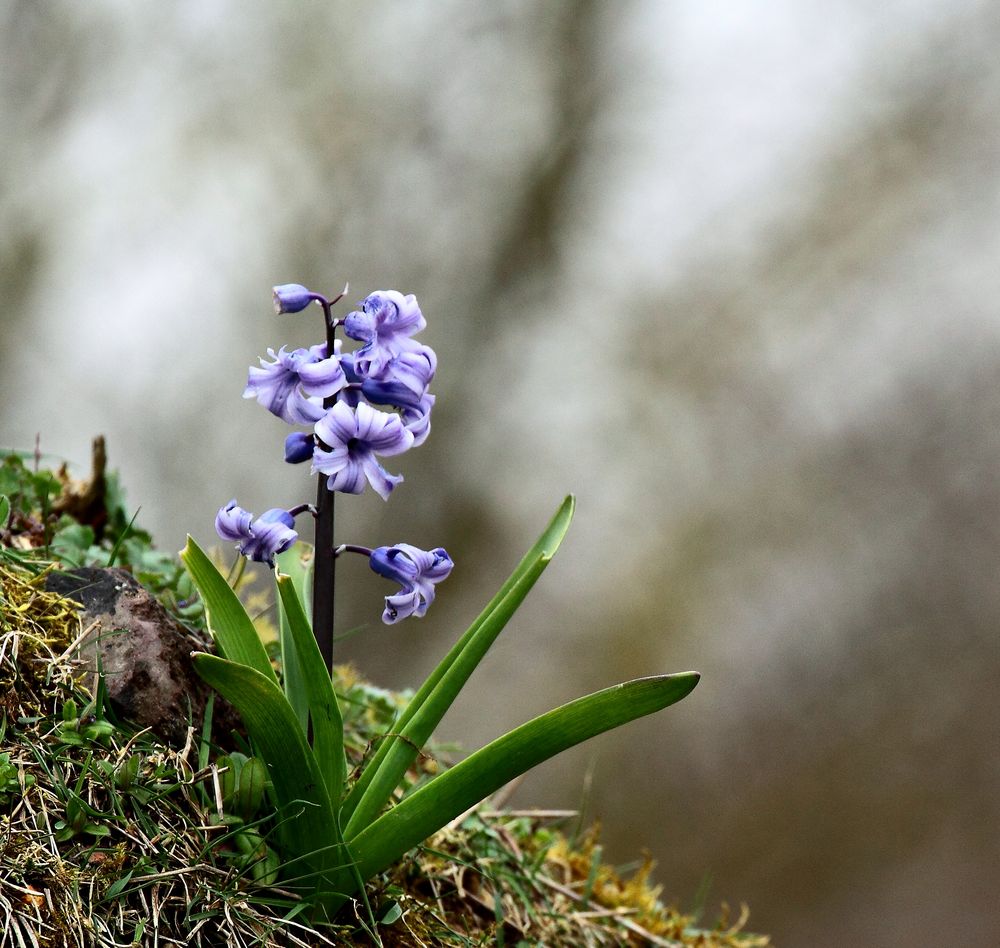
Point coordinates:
[(39, 528)]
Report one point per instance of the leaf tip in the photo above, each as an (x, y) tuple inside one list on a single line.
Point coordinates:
[(189, 546)]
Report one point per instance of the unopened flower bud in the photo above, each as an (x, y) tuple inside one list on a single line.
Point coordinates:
[(299, 447), (292, 298)]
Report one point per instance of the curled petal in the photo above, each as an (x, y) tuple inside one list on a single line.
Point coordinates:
[(401, 606), (321, 376), (404, 381), (418, 420), (383, 483), (232, 523), (381, 432)]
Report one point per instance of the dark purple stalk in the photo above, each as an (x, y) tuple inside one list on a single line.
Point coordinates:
[(325, 562), (352, 548)]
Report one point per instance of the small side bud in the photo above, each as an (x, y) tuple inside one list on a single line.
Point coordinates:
[(292, 298), (299, 447)]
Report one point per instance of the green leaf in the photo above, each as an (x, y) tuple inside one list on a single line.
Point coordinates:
[(113, 555), (324, 712), (306, 821), (393, 913), (4, 511), (71, 541), (456, 790), (115, 889), (299, 565), (232, 628), (425, 710)]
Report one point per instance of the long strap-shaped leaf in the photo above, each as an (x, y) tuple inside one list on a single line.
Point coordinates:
[(428, 706), (296, 562), (321, 700), (307, 823), (453, 792), (233, 630)]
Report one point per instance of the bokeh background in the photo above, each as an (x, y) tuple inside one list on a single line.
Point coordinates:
[(727, 271)]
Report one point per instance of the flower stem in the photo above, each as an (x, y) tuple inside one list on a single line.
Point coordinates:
[(352, 548), (325, 562)]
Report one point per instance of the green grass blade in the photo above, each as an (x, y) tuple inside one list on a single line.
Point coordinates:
[(324, 712), (425, 710), (232, 628), (453, 792), (308, 826), (296, 562)]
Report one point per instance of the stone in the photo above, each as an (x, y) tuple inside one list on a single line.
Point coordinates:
[(143, 652)]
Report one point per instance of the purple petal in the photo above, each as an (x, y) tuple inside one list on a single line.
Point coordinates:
[(271, 534), (400, 606), (271, 384), (300, 410), (276, 515), (394, 563), (401, 313), (343, 469), (441, 567), (360, 325), (404, 381), (330, 462), (418, 421), (337, 426), (324, 377), (383, 483), (232, 523), (380, 431)]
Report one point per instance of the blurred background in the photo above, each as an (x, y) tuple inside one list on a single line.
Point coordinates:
[(729, 272)]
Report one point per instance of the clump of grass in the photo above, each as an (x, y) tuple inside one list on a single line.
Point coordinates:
[(107, 837)]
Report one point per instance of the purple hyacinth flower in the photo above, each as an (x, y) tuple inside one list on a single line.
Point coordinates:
[(404, 380), (292, 298), (385, 323), (354, 436), (233, 523), (299, 447), (404, 386), (417, 571), (261, 539), (294, 385)]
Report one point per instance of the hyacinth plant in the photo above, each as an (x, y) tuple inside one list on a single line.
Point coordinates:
[(333, 833)]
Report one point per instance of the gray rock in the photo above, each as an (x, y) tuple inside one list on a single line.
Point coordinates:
[(142, 651)]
